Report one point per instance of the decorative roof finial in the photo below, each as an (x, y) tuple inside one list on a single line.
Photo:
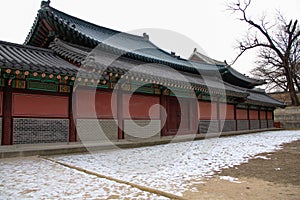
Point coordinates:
[(146, 36), (45, 3), (195, 49)]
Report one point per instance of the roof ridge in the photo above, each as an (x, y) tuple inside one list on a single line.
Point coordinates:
[(23, 46), (205, 58), (73, 47), (257, 90), (93, 25)]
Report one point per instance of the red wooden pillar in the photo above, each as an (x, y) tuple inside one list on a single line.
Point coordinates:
[(235, 117), (259, 119), (7, 138), (198, 116), (218, 114), (72, 127), (120, 113), (267, 118), (163, 114), (193, 113), (248, 116)]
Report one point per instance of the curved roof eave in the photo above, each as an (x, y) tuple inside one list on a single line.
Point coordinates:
[(252, 82)]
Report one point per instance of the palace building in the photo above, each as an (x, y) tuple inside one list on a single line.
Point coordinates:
[(71, 77)]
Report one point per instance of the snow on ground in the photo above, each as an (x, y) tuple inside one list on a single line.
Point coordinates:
[(262, 157), (35, 178), (173, 168), (230, 179)]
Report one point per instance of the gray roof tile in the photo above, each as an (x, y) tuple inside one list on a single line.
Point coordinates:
[(34, 59)]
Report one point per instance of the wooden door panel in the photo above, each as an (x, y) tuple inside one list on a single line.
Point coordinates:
[(179, 116), (173, 117), (185, 118)]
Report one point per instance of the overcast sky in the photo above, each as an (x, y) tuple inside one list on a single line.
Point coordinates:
[(198, 23)]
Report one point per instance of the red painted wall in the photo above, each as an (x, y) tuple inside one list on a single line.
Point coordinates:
[(138, 106), (253, 114), (1, 102), (207, 110), (270, 115), (241, 114), (36, 105), (99, 104), (226, 111), (263, 115)]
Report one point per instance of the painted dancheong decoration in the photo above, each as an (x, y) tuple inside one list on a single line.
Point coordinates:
[(45, 83)]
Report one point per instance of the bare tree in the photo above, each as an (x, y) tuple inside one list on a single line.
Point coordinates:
[(279, 49)]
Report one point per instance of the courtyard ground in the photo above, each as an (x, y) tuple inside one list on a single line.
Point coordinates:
[(246, 166), (273, 175)]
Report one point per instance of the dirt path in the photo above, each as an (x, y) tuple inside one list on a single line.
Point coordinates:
[(270, 176)]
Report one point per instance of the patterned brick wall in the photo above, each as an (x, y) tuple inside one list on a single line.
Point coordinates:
[(207, 126), (141, 128), (39, 130), (242, 125), (270, 123), (254, 124), (263, 123), (229, 125), (97, 129)]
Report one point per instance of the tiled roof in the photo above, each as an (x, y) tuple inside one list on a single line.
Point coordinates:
[(261, 98), (234, 74), (230, 75), (70, 51), (24, 57), (258, 97), (78, 53), (156, 71), (78, 31), (159, 73)]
